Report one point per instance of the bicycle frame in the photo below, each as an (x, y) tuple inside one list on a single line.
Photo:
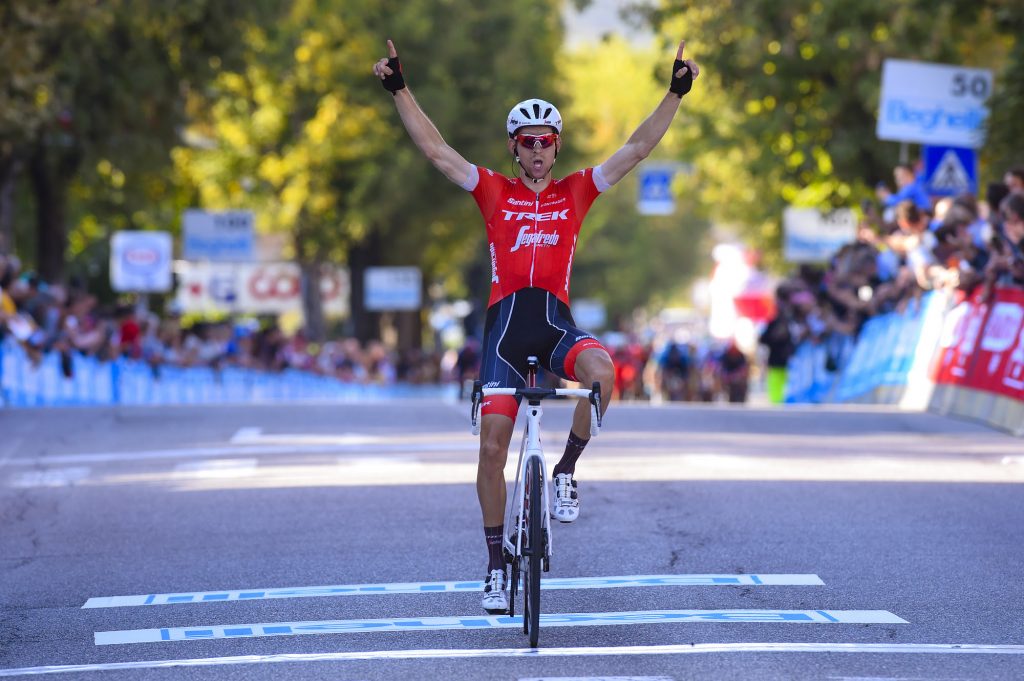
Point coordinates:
[(529, 449)]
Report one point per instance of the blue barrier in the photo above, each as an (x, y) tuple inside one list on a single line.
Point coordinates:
[(881, 355), (24, 383)]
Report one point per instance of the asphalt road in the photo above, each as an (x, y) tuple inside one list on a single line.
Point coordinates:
[(812, 543)]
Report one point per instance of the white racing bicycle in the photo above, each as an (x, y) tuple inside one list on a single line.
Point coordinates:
[(527, 545)]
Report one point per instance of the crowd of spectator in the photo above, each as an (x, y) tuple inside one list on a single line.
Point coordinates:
[(69, 320), (906, 245)]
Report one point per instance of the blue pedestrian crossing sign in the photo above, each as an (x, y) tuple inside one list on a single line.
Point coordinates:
[(655, 190), (950, 171)]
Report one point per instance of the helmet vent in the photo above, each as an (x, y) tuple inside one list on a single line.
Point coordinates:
[(547, 112)]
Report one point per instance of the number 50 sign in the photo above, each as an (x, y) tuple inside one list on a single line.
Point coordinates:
[(934, 104)]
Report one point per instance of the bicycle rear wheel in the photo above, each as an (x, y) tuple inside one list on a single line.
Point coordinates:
[(533, 553)]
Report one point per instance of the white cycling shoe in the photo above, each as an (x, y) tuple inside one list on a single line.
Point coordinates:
[(567, 501), (495, 601)]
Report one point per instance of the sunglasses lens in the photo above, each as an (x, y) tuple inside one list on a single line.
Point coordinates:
[(530, 140)]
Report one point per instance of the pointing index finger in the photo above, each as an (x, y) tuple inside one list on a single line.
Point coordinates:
[(392, 52), (679, 52)]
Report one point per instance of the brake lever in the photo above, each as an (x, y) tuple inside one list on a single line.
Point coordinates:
[(474, 415), (595, 400)]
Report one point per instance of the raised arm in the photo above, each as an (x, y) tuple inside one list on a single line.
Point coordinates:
[(650, 132), (419, 127)]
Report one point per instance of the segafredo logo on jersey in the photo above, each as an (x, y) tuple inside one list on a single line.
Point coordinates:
[(526, 238)]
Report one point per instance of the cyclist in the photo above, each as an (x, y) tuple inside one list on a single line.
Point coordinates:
[(532, 224)]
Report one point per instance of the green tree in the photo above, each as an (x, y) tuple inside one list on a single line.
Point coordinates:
[(792, 93), (108, 83), (1004, 144), (322, 147)]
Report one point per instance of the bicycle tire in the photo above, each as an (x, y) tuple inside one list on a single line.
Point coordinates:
[(513, 584), (534, 555)]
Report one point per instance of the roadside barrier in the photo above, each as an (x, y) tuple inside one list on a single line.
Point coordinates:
[(24, 383), (945, 353)]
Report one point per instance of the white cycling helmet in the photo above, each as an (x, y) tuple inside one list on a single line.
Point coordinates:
[(533, 112)]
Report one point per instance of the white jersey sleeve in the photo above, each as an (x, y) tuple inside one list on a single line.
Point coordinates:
[(472, 179), (599, 181)]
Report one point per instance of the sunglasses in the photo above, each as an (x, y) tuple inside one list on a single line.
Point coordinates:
[(545, 140)]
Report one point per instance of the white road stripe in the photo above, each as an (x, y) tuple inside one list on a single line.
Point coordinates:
[(448, 587), (698, 648), (243, 450), (582, 619), (285, 438), (218, 468), (246, 435), (57, 477), (597, 678)]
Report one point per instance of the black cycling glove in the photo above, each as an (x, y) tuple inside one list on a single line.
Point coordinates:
[(680, 86), (395, 81)]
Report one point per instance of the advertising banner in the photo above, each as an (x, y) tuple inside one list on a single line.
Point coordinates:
[(393, 288), (812, 236), (999, 356), (937, 104), (959, 338), (255, 288), (224, 236), (140, 262)]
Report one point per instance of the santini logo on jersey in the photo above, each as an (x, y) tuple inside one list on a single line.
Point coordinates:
[(520, 202), (537, 217), (525, 239)]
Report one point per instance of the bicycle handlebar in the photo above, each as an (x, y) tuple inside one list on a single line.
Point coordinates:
[(536, 395)]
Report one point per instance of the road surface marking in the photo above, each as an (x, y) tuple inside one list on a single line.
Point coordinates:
[(56, 477), (597, 678), (612, 651), (218, 468), (242, 450), (582, 619), (448, 587), (245, 435)]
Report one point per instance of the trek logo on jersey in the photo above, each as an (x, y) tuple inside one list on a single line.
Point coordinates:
[(520, 202), (537, 217), (525, 238)]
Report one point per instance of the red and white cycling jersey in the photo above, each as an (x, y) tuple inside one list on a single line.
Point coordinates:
[(531, 236)]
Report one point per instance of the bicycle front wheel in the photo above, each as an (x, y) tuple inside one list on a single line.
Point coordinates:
[(533, 553)]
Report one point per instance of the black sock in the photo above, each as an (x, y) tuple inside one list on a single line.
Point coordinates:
[(495, 553), (573, 448)]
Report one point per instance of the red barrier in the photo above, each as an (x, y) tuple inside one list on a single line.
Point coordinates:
[(982, 345)]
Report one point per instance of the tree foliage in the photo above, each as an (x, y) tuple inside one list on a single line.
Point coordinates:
[(307, 137), (1004, 143), (102, 88), (790, 98)]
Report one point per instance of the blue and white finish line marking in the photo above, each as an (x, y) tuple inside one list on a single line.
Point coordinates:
[(582, 619), (450, 587)]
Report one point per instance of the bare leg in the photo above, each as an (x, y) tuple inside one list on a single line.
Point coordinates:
[(495, 435), (593, 364)]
